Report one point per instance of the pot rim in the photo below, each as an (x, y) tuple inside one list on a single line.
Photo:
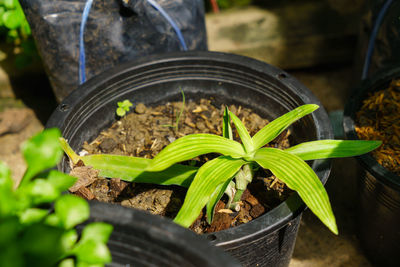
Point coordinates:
[(379, 81), (160, 230), (280, 215)]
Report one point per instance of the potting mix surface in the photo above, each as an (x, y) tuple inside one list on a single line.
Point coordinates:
[(144, 132), (379, 119)]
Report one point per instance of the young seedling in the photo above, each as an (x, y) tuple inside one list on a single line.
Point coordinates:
[(33, 235), (239, 159), (123, 107), (231, 172), (178, 114)]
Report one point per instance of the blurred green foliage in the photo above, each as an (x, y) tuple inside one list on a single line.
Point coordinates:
[(34, 234), (14, 29)]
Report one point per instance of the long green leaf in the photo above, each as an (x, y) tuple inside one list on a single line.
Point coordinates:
[(332, 148), (215, 197), (297, 175), (277, 126), (132, 169), (41, 152), (243, 133), (226, 125), (209, 176), (191, 146)]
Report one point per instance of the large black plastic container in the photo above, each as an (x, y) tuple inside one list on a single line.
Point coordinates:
[(230, 79), (143, 239), (378, 218)]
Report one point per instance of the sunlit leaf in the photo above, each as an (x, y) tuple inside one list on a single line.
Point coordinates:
[(33, 215), (98, 231), (299, 176), (322, 149), (191, 146), (60, 181), (71, 210), (132, 169), (91, 251), (243, 133), (277, 126), (41, 152), (68, 239), (210, 175)]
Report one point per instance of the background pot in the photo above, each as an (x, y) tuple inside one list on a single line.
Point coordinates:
[(378, 218), (142, 239), (229, 79)]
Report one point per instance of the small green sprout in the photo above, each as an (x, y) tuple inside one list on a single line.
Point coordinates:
[(178, 114), (231, 172), (33, 235), (123, 107)]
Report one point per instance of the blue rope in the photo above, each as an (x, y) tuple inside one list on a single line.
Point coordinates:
[(374, 33), (85, 15), (82, 59), (170, 21)]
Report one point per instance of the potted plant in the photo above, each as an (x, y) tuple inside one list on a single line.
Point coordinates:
[(229, 79), (371, 113)]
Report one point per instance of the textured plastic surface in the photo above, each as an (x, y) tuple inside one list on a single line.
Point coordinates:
[(378, 217), (227, 79), (141, 239), (116, 31)]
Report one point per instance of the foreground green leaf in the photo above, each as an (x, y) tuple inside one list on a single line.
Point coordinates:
[(210, 175), (299, 176), (41, 152), (277, 126), (97, 231), (71, 210), (323, 149), (191, 146)]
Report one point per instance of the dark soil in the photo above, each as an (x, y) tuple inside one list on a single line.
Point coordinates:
[(145, 132)]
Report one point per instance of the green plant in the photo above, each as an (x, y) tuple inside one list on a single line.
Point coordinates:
[(123, 107), (12, 17), (15, 27), (178, 114), (33, 234), (232, 171)]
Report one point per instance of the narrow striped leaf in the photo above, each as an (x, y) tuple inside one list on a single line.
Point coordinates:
[(297, 175), (226, 125), (191, 146), (132, 169), (332, 148), (277, 126), (215, 197), (243, 133), (210, 175)]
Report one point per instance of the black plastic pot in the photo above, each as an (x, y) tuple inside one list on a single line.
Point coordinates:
[(378, 218), (230, 79), (142, 239)]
